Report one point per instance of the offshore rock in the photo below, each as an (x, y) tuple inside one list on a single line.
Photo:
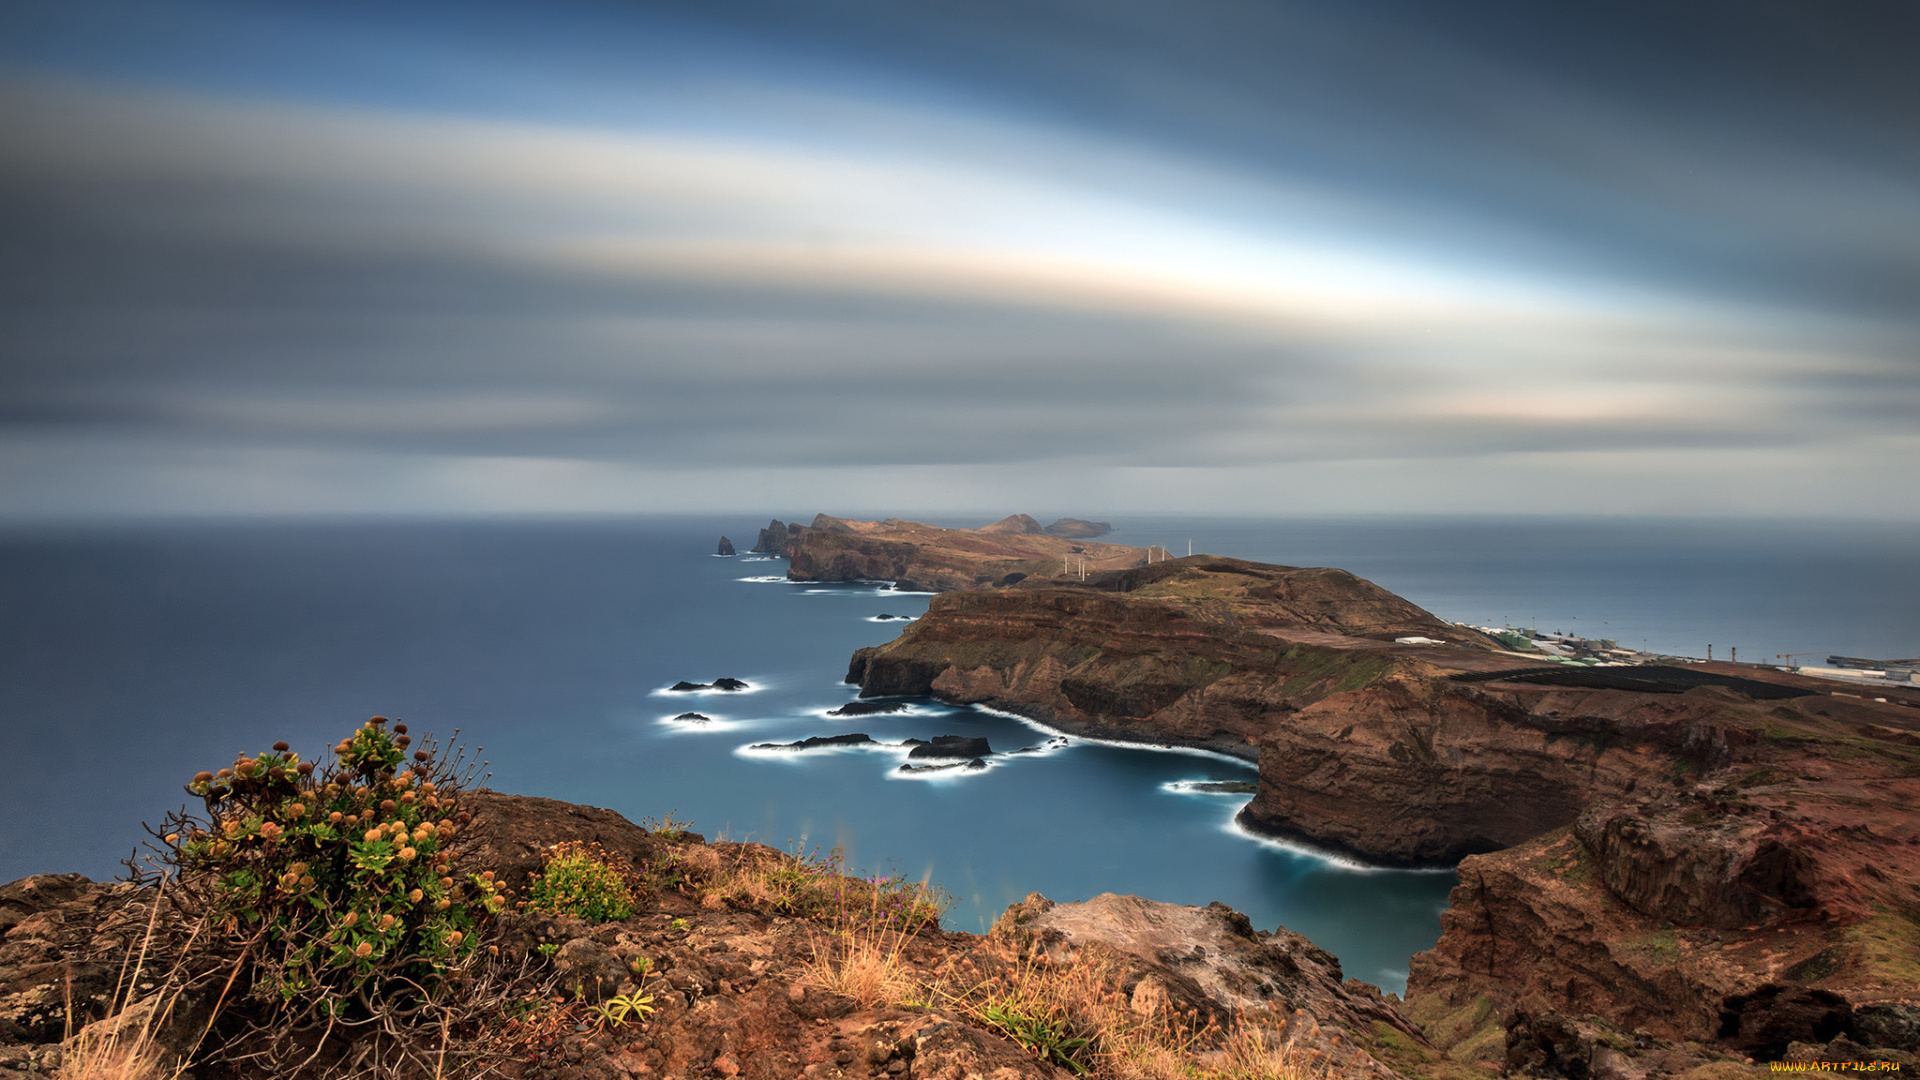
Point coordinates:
[(1076, 529), (726, 546), (952, 746), (869, 708), (813, 742)]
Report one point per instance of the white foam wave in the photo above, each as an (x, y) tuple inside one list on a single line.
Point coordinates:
[(766, 578), (1198, 787), (894, 619), (1344, 862), (1158, 748)]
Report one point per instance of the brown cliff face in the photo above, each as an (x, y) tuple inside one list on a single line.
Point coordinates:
[(1711, 900), (1417, 774)]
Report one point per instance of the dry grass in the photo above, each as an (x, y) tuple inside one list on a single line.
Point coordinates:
[(867, 965), (810, 886), (124, 1045), (1252, 1051), (1137, 1036), (94, 1056)]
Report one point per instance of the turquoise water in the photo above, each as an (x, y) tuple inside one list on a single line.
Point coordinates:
[(133, 657)]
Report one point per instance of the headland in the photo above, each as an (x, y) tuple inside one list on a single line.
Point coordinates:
[(1651, 857)]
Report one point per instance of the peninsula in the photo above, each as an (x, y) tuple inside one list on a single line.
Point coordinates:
[(1650, 857), (927, 558)]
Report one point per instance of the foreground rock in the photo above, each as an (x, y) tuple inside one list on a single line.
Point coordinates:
[(740, 982)]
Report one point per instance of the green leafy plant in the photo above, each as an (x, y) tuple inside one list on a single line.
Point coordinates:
[(1042, 1035), (615, 1011), (585, 881), (547, 948), (679, 924), (334, 882)]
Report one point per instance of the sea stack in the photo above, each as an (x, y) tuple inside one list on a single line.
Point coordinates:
[(773, 539), (726, 546)]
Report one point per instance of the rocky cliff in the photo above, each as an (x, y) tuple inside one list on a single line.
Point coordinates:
[(1709, 854), (1761, 899)]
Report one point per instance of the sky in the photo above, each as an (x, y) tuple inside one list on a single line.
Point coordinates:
[(1096, 257)]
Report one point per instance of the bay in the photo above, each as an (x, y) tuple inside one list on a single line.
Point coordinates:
[(132, 656)]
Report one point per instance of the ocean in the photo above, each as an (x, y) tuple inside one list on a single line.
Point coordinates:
[(132, 656)]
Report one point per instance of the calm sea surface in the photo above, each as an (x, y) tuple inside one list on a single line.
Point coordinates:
[(132, 657)]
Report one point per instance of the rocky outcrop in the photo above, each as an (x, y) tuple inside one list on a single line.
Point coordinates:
[(726, 546), (1701, 866), (1212, 959), (1077, 529)]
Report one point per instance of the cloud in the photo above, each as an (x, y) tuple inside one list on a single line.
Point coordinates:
[(398, 311)]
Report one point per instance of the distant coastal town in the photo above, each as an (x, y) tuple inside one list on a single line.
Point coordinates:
[(1565, 648)]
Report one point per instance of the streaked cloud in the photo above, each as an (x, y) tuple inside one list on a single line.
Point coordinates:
[(400, 310)]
